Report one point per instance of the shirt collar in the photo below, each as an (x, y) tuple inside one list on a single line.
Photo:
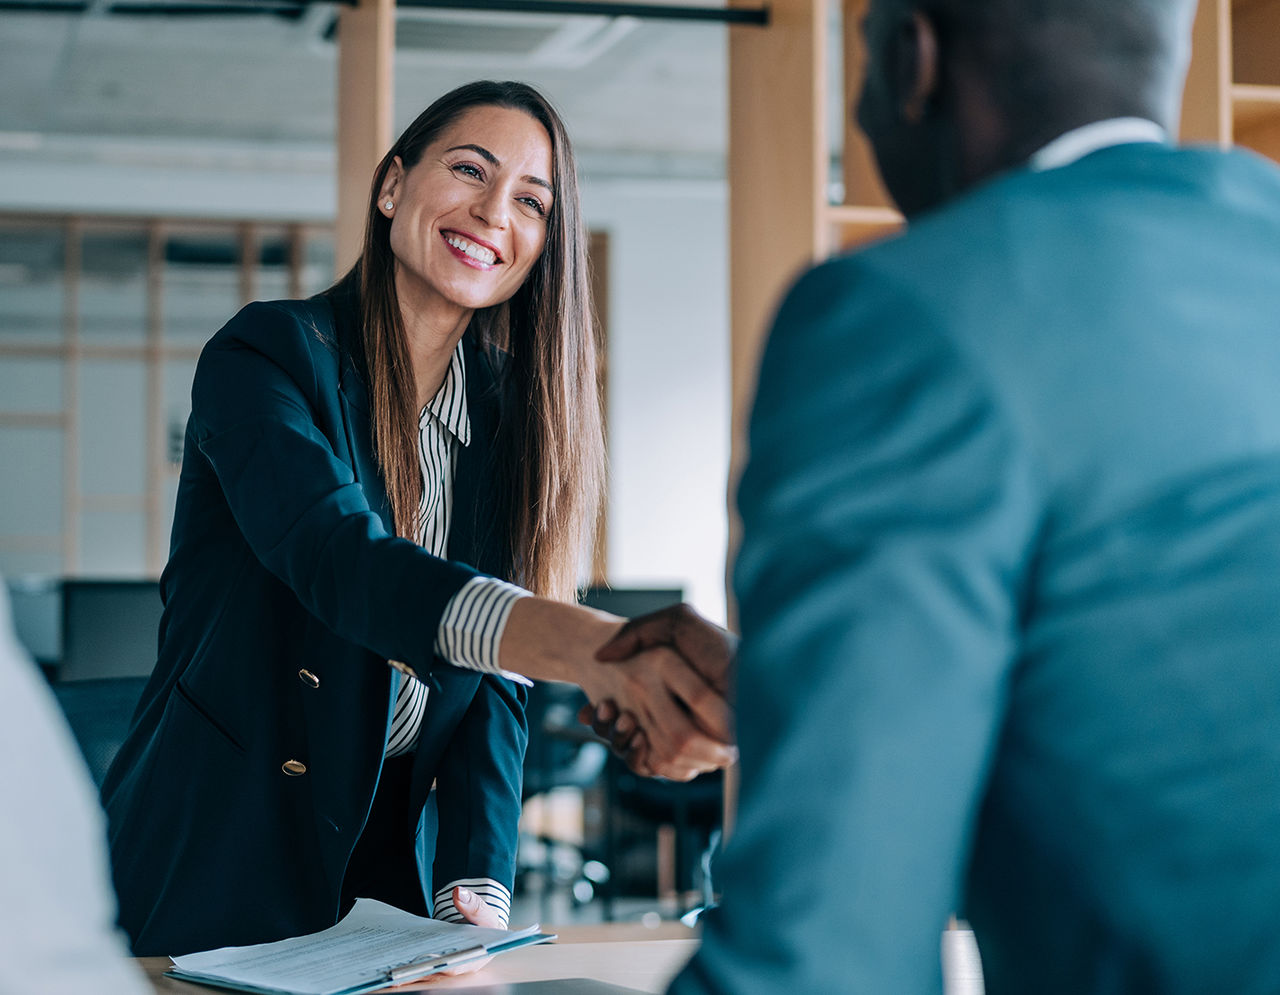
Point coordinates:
[(1080, 142), (449, 406)]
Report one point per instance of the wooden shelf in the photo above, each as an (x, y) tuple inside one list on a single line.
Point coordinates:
[(853, 214), (1256, 117), (31, 543), (1246, 8), (112, 503), (33, 419), (852, 225), (1255, 104), (1233, 87), (1255, 36)]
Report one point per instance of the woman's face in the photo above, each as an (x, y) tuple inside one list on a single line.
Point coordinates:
[(469, 220)]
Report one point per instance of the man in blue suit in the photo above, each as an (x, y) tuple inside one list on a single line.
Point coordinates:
[(1010, 576)]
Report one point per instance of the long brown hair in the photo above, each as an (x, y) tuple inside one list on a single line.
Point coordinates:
[(551, 437)]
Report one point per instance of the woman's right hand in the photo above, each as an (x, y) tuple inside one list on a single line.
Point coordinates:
[(686, 722)]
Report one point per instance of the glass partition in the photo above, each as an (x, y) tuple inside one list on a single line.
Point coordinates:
[(32, 283), (202, 283), (111, 298), (101, 324)]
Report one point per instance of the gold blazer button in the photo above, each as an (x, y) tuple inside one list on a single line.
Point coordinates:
[(294, 768), (308, 678), (404, 668)]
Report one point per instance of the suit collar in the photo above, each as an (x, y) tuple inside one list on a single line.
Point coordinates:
[(449, 407)]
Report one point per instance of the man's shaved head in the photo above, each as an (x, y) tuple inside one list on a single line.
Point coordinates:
[(1041, 50), (957, 90)]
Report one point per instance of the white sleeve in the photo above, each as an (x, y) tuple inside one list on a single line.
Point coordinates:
[(492, 893), (471, 627)]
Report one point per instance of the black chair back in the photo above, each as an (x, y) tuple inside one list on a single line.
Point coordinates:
[(98, 712)]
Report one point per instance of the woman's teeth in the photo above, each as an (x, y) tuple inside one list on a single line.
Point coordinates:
[(477, 252)]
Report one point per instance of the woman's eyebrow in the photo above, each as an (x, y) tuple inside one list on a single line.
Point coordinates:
[(479, 150), (493, 160)]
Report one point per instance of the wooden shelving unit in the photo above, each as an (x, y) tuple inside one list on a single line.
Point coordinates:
[(780, 170), (1233, 88)]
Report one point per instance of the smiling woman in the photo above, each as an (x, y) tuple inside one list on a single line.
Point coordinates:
[(402, 470)]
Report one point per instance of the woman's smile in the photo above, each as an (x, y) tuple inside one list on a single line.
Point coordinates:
[(472, 250)]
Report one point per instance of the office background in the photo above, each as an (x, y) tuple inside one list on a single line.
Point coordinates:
[(156, 170), (161, 163)]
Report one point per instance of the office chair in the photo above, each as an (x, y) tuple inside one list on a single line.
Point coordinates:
[(36, 606), (109, 628), (692, 811), (561, 753), (564, 753), (98, 712)]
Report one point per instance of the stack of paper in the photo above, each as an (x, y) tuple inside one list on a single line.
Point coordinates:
[(375, 945)]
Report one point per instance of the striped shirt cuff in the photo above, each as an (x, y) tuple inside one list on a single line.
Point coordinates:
[(473, 622), (493, 894)]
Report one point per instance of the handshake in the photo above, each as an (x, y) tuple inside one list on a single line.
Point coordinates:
[(658, 685), (666, 709)]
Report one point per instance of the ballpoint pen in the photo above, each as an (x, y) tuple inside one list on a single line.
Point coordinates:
[(421, 968)]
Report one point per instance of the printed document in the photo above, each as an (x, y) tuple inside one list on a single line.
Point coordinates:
[(373, 946)]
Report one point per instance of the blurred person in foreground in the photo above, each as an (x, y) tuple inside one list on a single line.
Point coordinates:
[(1010, 576), (57, 930)]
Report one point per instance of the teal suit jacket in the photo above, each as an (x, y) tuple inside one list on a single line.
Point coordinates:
[(1010, 597)]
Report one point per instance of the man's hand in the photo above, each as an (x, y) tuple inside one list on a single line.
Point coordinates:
[(709, 649), (687, 725)]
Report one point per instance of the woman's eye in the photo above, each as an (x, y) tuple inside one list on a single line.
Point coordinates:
[(468, 169), (536, 204)]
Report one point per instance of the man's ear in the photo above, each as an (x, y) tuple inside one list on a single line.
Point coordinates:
[(391, 184), (917, 65)]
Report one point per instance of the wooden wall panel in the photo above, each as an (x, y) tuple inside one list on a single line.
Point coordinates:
[(1206, 105)]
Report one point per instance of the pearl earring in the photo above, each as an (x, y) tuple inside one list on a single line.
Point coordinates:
[(390, 204)]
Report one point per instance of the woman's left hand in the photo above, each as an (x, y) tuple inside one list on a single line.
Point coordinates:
[(477, 912)]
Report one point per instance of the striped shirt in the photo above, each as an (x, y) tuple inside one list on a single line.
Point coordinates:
[(474, 619)]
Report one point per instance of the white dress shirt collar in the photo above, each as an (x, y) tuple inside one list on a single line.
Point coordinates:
[(449, 406), (1080, 142)]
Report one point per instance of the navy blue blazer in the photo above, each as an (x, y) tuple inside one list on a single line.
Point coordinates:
[(283, 560)]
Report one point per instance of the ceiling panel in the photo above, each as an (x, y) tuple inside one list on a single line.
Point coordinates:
[(645, 87)]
